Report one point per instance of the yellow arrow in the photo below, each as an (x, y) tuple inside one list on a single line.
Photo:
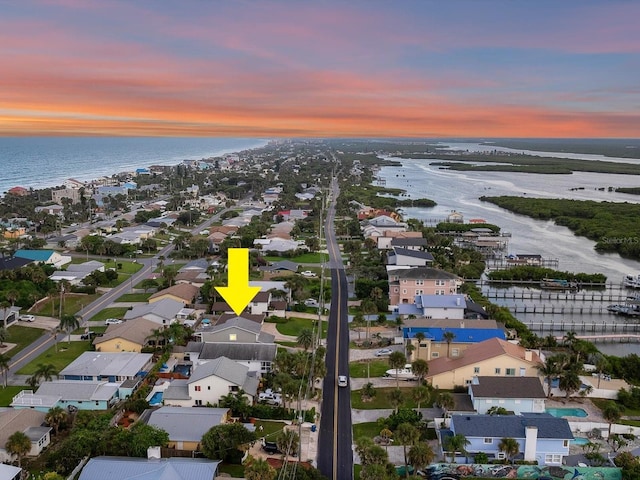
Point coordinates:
[(238, 294)]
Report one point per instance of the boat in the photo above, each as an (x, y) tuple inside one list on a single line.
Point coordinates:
[(405, 373), (631, 281), (557, 284)]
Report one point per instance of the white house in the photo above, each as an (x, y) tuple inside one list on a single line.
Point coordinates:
[(30, 422), (515, 394)]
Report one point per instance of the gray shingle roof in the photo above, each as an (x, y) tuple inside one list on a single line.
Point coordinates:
[(79, 390), (236, 351), (508, 387), (177, 390), (122, 364), (409, 242), (413, 253), (513, 426), (221, 367), (426, 273), (165, 308), (126, 468), (187, 424)]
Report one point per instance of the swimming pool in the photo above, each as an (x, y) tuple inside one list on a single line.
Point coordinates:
[(567, 412), (156, 399), (580, 441)]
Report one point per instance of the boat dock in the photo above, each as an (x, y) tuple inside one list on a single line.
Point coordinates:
[(633, 338), (595, 330)]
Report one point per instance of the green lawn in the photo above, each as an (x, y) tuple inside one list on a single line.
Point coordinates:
[(66, 354), (377, 368), (288, 344), (127, 267), (73, 303), (381, 399), (367, 429), (7, 394), (114, 312), (304, 258), (236, 471), (295, 325), (270, 428), (134, 297), (22, 337)]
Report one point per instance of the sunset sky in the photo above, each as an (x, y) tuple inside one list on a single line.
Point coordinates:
[(448, 68)]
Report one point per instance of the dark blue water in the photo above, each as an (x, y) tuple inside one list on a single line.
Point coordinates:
[(47, 161)]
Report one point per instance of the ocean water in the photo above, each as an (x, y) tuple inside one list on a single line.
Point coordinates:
[(39, 162)]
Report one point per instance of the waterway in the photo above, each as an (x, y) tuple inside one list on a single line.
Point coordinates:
[(461, 191)]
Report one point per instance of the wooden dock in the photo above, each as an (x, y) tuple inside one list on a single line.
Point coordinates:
[(616, 329), (633, 338)]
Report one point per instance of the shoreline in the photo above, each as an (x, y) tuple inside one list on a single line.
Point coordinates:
[(115, 160)]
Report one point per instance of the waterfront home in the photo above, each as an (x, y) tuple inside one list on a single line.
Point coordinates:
[(130, 336), (186, 426), (113, 367), (406, 283), (210, 381), (258, 357), (129, 468), (48, 257), (436, 306), (404, 257), (493, 357), (31, 423), (384, 241), (96, 395), (515, 394), (450, 341), (541, 437)]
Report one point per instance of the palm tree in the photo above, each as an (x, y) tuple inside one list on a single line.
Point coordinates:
[(446, 401), (386, 435), (456, 443), (420, 336), (407, 434), (448, 337), (46, 372), (420, 368), (397, 360), (288, 442), (357, 323), (420, 455), (570, 381), (55, 417), (3, 336), (396, 398), (602, 364), (305, 338), (4, 368), (18, 444), (510, 447), (420, 394), (259, 469), (368, 392), (69, 323), (551, 368), (611, 414)]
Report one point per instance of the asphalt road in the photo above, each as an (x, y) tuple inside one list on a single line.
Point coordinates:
[(335, 458)]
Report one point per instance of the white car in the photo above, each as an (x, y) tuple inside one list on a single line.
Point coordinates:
[(308, 273), (27, 318), (311, 302), (342, 381), (112, 321), (384, 351)]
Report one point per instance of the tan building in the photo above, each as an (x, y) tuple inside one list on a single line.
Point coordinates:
[(182, 292), (492, 357), (130, 336), (72, 194)]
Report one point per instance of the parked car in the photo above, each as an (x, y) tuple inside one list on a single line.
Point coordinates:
[(384, 351), (112, 321), (270, 397), (307, 273), (88, 336), (342, 381), (311, 302), (27, 318), (271, 447)]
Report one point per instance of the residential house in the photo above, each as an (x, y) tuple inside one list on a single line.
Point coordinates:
[(31, 423), (259, 357), (113, 367), (89, 395), (130, 336), (405, 284), (48, 257), (404, 257), (72, 194), (281, 267), (260, 303), (493, 357), (210, 381), (293, 214), (447, 341), (455, 217), (542, 438), (278, 245), (411, 243), (13, 263), (515, 394), (436, 306), (162, 312), (235, 329), (9, 472), (186, 426), (182, 292), (384, 241), (54, 209), (130, 468)]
